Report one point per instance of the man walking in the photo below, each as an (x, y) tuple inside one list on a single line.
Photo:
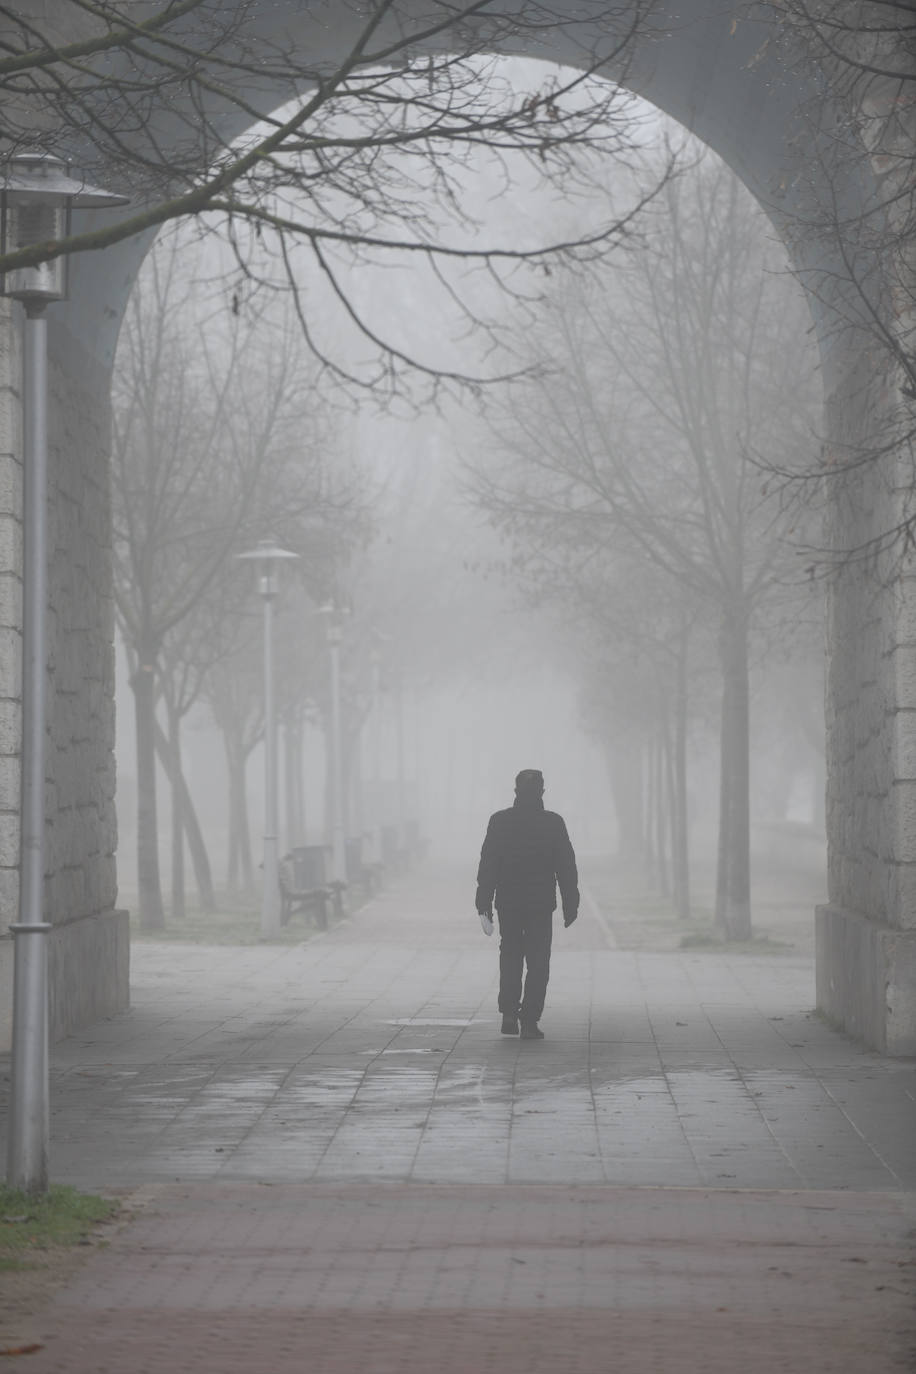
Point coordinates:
[(526, 853)]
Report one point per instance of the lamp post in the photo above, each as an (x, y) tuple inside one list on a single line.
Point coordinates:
[(36, 197), (375, 664), (338, 842), (267, 556)]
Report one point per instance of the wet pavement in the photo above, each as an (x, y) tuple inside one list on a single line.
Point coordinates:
[(332, 1146), (373, 1052)]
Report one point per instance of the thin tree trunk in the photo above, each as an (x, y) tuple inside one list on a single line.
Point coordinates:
[(661, 812), (240, 872), (671, 809), (200, 859), (178, 911), (328, 788), (232, 845), (679, 801), (357, 806), (292, 778), (649, 824), (624, 762), (734, 884), (725, 780), (151, 912)]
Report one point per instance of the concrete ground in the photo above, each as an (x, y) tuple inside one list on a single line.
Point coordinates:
[(335, 1162)]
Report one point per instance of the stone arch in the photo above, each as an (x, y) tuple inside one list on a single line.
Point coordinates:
[(710, 68)]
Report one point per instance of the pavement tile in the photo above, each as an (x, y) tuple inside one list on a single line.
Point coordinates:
[(339, 1163), (405, 1277)]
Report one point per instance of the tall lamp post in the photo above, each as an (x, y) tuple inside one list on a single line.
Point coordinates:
[(36, 197), (338, 842), (375, 663), (267, 556)]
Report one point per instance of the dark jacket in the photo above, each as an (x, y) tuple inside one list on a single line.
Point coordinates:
[(525, 854)]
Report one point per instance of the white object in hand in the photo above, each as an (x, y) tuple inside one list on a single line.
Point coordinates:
[(486, 923)]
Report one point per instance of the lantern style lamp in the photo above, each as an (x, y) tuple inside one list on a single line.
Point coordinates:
[(267, 558), (36, 197)]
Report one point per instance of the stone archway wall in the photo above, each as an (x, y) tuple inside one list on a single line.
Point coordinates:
[(711, 72), (866, 933)]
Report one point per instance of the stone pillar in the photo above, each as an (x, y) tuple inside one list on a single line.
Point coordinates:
[(866, 934), (88, 953)]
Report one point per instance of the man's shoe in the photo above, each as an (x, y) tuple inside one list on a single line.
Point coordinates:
[(509, 1025), (531, 1031)]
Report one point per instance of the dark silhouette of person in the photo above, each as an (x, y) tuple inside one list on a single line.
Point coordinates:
[(526, 853)]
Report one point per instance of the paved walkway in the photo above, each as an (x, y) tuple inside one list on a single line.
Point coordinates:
[(337, 1163)]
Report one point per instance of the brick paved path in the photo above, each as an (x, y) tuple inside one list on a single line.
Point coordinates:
[(338, 1164)]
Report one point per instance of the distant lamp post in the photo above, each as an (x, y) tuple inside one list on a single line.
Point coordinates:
[(375, 815), (267, 556), (338, 843), (36, 197)]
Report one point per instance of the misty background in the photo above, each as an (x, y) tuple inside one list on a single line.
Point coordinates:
[(507, 600)]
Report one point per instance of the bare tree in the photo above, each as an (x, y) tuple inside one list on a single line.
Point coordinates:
[(852, 235), (234, 693), (354, 140), (638, 675), (649, 431), (211, 452)]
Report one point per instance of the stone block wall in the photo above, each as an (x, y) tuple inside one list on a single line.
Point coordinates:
[(88, 952), (866, 933)]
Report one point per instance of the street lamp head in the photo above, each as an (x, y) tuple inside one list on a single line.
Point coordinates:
[(267, 556), (334, 625), (37, 195)]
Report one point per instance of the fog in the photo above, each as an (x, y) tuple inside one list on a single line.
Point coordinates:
[(482, 667)]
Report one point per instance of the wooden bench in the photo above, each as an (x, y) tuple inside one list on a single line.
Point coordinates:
[(311, 900), (369, 877)]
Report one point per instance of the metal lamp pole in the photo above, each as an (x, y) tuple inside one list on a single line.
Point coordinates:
[(267, 557), (35, 202), (338, 843), (376, 719)]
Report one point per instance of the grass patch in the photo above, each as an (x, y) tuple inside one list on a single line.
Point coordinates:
[(700, 939), (229, 927), (758, 944), (236, 923), (62, 1216)]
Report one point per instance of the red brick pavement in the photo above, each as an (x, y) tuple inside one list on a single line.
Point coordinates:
[(398, 1279)]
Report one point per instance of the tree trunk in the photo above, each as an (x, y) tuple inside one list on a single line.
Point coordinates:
[(623, 757), (681, 841), (292, 779), (733, 885), (200, 859), (661, 810), (352, 781), (725, 780), (176, 780), (649, 821), (151, 912), (239, 870)]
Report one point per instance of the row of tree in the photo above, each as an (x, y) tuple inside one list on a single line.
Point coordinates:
[(632, 483), (226, 432), (352, 142), (219, 441)]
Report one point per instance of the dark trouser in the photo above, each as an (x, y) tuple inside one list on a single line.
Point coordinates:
[(524, 939)]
